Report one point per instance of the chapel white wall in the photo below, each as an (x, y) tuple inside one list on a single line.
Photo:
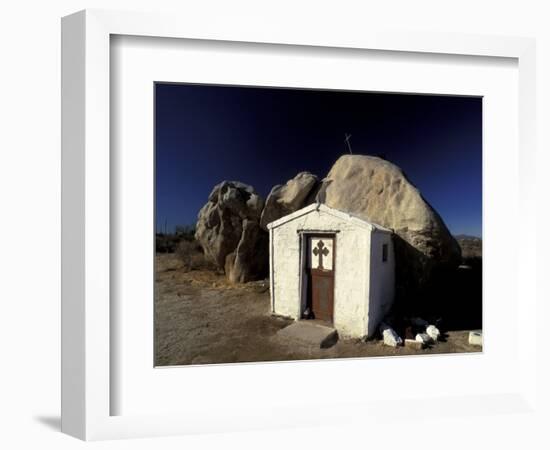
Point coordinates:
[(382, 285), (352, 267)]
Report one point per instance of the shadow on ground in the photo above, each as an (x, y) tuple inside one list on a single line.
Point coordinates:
[(453, 300), (51, 422), (461, 291)]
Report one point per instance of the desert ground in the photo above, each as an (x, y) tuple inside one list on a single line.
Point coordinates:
[(201, 318)]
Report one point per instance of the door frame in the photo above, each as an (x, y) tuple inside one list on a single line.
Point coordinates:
[(304, 280)]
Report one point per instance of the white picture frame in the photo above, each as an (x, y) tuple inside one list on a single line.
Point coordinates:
[(86, 248)]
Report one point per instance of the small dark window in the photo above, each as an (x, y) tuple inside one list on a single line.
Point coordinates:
[(384, 252)]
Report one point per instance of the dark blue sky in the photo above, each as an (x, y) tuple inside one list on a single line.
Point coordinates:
[(263, 137)]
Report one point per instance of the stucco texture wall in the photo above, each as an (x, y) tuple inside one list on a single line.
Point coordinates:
[(382, 276)]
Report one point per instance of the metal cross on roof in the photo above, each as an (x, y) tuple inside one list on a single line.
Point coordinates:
[(346, 140), (320, 250)]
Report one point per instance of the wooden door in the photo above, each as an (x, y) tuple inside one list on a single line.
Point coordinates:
[(321, 274)]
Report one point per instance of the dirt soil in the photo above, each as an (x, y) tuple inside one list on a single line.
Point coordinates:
[(200, 318)]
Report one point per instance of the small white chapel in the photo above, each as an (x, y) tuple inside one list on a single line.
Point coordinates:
[(333, 267)]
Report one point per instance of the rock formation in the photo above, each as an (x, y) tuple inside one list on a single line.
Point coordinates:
[(228, 230), (378, 191), (231, 226), (285, 199)]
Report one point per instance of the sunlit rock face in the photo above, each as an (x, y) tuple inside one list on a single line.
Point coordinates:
[(378, 191), (287, 198), (229, 232)]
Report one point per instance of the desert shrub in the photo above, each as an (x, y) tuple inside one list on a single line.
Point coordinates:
[(166, 243), (186, 251), (186, 232), (192, 256)]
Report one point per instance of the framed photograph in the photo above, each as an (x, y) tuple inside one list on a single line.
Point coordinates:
[(260, 259), (266, 228)]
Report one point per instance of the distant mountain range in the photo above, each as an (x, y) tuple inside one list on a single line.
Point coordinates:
[(471, 246), (466, 236)]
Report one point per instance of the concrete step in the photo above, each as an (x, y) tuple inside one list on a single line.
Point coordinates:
[(306, 332)]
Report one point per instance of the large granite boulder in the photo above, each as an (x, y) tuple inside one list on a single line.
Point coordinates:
[(378, 191), (228, 230), (287, 198)]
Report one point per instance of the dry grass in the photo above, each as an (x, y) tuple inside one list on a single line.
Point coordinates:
[(192, 257)]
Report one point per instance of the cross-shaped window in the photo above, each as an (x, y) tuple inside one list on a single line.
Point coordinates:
[(320, 250)]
